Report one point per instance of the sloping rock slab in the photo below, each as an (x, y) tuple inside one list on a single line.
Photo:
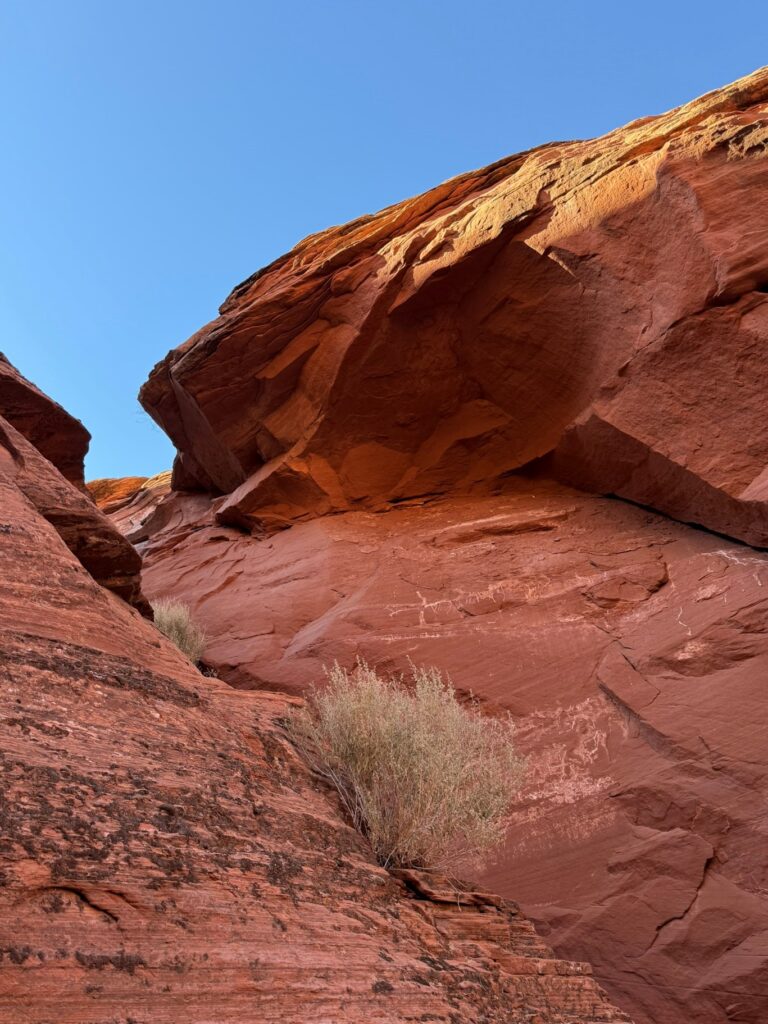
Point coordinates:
[(165, 855), (633, 652), (86, 531)]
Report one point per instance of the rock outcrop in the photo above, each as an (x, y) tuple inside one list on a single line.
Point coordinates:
[(166, 856), (128, 501), (415, 394), (43, 449), (59, 437), (592, 297), (633, 652), (107, 491)]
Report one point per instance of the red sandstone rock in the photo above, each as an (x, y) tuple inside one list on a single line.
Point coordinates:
[(61, 438), (165, 856), (604, 299), (633, 652), (92, 538), (597, 309), (109, 490)]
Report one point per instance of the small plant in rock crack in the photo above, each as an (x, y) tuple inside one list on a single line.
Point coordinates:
[(173, 618), (427, 781)]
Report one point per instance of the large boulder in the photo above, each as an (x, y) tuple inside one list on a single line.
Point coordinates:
[(604, 301)]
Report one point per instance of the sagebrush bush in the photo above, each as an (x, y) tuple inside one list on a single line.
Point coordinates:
[(174, 619), (429, 782)]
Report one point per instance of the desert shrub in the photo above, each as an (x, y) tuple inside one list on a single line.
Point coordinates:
[(428, 781), (174, 619)]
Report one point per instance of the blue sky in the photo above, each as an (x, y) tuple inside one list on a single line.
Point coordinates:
[(156, 153)]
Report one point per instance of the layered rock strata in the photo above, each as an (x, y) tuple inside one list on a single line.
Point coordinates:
[(166, 856), (410, 393), (633, 653), (59, 437), (604, 301), (43, 449)]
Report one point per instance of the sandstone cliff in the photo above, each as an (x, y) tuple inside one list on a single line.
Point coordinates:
[(166, 857), (593, 297), (440, 376)]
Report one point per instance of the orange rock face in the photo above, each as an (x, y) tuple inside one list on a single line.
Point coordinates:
[(632, 652), (603, 297), (59, 437), (414, 395), (166, 856), (107, 491), (87, 532)]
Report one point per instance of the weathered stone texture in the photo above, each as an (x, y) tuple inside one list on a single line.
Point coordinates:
[(61, 438), (602, 300), (166, 856), (411, 393), (28, 419), (633, 652)]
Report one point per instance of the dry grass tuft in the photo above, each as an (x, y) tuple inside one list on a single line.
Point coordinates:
[(427, 781), (174, 619)]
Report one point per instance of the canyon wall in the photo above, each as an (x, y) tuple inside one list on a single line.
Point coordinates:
[(633, 653), (164, 853), (410, 438)]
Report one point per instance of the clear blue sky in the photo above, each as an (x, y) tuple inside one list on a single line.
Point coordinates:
[(156, 152)]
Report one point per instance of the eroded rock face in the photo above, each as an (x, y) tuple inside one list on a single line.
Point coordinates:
[(28, 419), (60, 438), (591, 314), (110, 490), (605, 300), (165, 855), (633, 653)]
